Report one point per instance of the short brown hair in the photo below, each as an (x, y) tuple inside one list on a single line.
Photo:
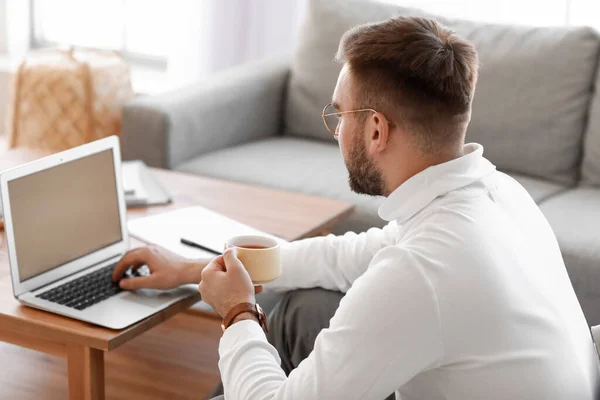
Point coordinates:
[(415, 71)]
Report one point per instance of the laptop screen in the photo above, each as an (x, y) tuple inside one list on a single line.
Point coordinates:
[(63, 213)]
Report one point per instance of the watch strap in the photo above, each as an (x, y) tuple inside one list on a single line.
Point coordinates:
[(242, 308)]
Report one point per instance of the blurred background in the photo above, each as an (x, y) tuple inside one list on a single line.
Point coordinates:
[(168, 44), (153, 72)]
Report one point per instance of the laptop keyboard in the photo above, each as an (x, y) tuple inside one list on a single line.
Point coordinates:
[(85, 291)]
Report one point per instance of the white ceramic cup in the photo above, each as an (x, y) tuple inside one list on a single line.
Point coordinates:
[(260, 255)]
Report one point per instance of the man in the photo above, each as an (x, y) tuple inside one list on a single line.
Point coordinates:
[(463, 295)]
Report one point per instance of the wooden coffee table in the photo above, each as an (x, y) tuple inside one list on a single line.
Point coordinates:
[(289, 215)]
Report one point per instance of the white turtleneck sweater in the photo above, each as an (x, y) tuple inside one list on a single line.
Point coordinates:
[(462, 296)]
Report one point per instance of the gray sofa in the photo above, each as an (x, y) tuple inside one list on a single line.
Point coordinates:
[(535, 112)]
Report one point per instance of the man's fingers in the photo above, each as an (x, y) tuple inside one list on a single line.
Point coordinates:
[(258, 289), (219, 263), (139, 283), (232, 263), (134, 258)]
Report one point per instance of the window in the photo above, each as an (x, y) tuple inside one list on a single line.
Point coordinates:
[(136, 28)]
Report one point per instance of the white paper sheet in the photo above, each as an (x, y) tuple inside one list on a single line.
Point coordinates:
[(197, 224)]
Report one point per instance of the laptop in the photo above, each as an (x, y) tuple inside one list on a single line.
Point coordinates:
[(66, 228)]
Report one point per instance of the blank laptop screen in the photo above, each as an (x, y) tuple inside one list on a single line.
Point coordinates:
[(64, 213)]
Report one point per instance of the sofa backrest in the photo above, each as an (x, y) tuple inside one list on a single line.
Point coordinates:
[(531, 101), (590, 169)]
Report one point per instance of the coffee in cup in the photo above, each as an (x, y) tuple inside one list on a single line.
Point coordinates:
[(260, 255)]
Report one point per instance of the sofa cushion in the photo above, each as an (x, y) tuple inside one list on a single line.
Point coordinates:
[(294, 164), (311, 167), (590, 169), (539, 189), (531, 100), (575, 218)]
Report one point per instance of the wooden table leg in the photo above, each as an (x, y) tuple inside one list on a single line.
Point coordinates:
[(86, 373)]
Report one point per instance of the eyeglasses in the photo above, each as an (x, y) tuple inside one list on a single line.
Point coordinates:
[(331, 118)]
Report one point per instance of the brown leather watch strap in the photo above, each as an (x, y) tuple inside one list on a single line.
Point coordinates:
[(242, 308)]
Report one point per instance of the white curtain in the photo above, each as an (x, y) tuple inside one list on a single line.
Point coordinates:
[(211, 35)]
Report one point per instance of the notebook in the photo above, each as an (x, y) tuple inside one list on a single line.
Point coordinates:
[(141, 187), (197, 224)]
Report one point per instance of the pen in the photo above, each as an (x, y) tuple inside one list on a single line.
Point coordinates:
[(199, 246)]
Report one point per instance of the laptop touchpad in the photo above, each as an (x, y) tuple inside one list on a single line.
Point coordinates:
[(150, 297)]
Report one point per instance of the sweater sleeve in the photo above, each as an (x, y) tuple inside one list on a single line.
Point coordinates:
[(331, 262), (386, 331)]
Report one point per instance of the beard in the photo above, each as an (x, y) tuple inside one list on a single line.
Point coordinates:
[(364, 177)]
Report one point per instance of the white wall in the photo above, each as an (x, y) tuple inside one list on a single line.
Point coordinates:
[(522, 12)]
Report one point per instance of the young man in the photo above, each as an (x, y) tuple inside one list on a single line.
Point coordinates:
[(463, 295)]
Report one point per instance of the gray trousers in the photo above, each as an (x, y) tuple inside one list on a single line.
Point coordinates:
[(295, 319)]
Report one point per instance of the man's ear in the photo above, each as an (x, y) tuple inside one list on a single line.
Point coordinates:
[(379, 131)]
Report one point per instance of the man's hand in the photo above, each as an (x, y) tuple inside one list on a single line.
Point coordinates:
[(167, 269), (225, 283)]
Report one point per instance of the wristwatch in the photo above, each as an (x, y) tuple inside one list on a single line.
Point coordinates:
[(242, 308)]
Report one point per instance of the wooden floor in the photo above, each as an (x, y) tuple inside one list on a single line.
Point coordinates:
[(176, 360)]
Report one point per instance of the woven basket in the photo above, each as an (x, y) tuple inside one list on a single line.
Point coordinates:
[(64, 98)]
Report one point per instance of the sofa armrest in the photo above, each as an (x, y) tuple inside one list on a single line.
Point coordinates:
[(230, 108)]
